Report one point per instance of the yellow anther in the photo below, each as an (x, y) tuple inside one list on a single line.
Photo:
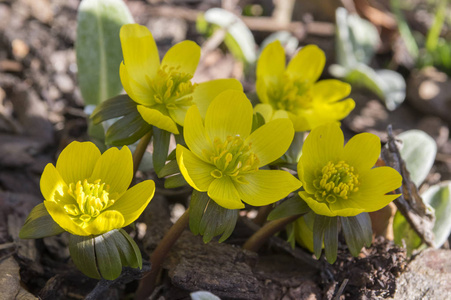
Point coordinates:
[(335, 180), (232, 157), (88, 200)]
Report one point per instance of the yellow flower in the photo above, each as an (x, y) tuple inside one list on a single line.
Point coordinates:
[(268, 113), (164, 91), (295, 88), (342, 181), (86, 193), (225, 157)]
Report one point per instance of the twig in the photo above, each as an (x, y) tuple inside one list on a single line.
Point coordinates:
[(268, 24), (341, 289), (409, 203), (263, 234)]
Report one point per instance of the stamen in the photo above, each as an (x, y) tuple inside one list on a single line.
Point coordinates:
[(171, 88), (335, 180), (232, 158), (88, 200), (290, 94)]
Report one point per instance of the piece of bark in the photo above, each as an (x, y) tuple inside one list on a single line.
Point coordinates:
[(409, 203)]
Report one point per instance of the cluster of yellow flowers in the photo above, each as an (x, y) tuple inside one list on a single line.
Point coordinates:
[(87, 193)]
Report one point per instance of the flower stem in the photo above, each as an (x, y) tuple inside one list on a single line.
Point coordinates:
[(148, 282), (140, 150), (262, 214), (268, 230)]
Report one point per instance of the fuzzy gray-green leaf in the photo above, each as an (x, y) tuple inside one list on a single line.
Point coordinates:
[(98, 48), (418, 151)]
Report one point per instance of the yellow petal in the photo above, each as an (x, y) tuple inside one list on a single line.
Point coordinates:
[(267, 186), (374, 185), (138, 91), (183, 57), (195, 171), (156, 118), (76, 161), (205, 92), (115, 168), (134, 201), (140, 52), (262, 91), (342, 210), (308, 64), (265, 110), (59, 215), (307, 178), (318, 207), (330, 90), (194, 132), (224, 193), (271, 63), (327, 113), (280, 114), (272, 140), (51, 183), (178, 114), (106, 221), (323, 144), (362, 151), (229, 114)]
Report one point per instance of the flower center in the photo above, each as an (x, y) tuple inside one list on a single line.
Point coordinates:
[(171, 88), (232, 158), (290, 94), (90, 200), (335, 181)]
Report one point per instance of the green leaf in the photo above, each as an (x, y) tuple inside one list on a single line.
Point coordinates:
[(389, 85), (331, 240), (210, 219), (303, 227), (287, 40), (439, 197), (319, 227), (127, 130), (161, 139), (418, 151), (170, 168), (294, 151), (357, 232), (130, 126), (404, 235), (356, 43), (82, 251), (108, 257), (197, 207), (114, 107), (39, 224), (325, 228), (239, 39), (290, 207), (127, 248), (98, 48), (257, 121), (356, 39), (175, 182)]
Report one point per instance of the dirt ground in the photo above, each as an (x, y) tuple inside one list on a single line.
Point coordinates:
[(41, 111)]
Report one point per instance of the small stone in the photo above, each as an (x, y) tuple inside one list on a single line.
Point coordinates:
[(64, 83), (20, 48)]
